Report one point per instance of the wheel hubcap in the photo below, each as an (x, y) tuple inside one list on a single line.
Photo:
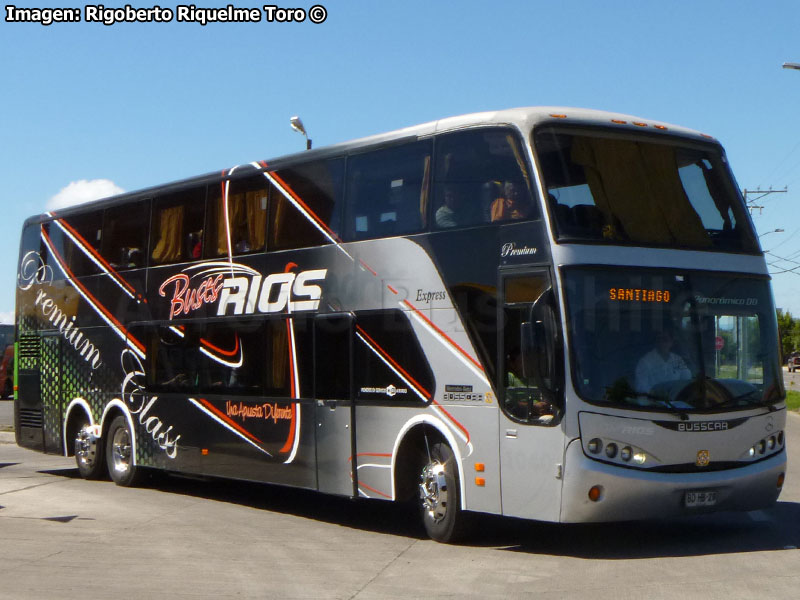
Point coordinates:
[(433, 491), (86, 447), (121, 450)]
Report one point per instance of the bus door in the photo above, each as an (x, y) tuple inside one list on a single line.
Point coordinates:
[(530, 395), (334, 410)]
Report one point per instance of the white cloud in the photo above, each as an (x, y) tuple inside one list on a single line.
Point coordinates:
[(7, 317), (78, 192)]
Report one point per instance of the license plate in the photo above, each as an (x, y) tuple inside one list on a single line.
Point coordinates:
[(697, 499)]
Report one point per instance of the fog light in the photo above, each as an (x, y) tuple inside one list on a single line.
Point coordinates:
[(626, 453), (594, 446), (596, 493), (611, 450), (771, 442), (761, 447)]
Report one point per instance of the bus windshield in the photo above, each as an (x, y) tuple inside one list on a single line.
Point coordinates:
[(639, 190), (672, 341)]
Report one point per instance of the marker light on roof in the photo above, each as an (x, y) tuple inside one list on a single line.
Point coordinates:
[(556, 116)]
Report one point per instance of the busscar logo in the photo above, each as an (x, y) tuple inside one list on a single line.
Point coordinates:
[(703, 458)]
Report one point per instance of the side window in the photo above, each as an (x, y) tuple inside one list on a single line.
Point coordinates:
[(333, 335), (306, 203), (387, 191), (247, 216), (177, 226), (481, 177), (248, 357), (529, 370), (287, 358), (81, 237), (391, 364), (125, 235)]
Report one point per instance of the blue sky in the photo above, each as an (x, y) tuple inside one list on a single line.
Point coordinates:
[(142, 104)]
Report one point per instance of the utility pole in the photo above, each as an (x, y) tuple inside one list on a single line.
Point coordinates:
[(762, 194)]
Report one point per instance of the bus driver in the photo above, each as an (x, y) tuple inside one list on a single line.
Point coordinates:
[(660, 365)]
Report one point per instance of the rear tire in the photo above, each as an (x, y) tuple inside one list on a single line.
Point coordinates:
[(89, 453), (440, 496), (119, 454)]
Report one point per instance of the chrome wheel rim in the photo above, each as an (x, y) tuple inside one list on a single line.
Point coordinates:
[(433, 492), (121, 450), (86, 447)]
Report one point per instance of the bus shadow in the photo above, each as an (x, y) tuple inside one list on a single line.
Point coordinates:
[(367, 515), (725, 533)]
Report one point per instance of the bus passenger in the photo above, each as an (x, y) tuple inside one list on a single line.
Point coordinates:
[(513, 205), (449, 213)]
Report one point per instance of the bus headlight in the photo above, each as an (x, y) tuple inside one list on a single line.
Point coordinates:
[(594, 446), (765, 447), (617, 452)]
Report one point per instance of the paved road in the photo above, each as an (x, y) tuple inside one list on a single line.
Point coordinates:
[(183, 539), (6, 415)]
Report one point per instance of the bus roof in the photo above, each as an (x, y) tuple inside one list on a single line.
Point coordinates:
[(524, 118)]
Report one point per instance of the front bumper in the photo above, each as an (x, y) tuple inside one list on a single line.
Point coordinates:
[(631, 494)]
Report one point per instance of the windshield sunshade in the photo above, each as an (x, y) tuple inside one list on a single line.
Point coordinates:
[(636, 191)]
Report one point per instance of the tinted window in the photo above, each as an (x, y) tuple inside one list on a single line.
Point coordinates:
[(247, 216), (481, 177), (391, 364), (125, 235), (387, 191), (306, 204), (333, 339), (642, 191), (78, 239), (177, 226), (243, 357)]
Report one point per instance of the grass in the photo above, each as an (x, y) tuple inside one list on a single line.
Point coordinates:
[(792, 400)]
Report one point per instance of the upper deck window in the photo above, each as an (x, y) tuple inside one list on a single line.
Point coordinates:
[(639, 191), (245, 225), (481, 177), (387, 191)]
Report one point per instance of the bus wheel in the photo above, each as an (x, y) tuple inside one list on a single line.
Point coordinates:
[(119, 454), (89, 453), (440, 495)]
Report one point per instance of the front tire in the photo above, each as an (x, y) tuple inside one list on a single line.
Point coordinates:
[(119, 454), (440, 495)]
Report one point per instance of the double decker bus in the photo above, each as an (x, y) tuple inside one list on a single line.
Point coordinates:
[(552, 314)]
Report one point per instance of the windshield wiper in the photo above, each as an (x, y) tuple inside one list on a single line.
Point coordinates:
[(756, 401)]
